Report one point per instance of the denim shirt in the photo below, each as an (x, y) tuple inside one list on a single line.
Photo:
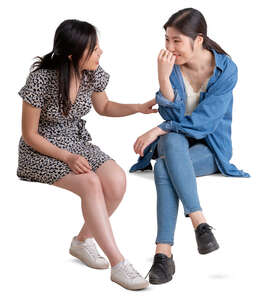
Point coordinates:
[(211, 120)]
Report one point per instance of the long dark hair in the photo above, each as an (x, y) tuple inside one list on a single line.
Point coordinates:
[(71, 38), (191, 22)]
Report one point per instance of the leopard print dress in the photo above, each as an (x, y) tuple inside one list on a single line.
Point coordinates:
[(41, 91)]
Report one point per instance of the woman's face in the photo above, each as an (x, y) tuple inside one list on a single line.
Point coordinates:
[(181, 45), (93, 61)]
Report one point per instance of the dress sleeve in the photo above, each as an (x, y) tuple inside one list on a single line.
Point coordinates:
[(33, 90), (101, 79)]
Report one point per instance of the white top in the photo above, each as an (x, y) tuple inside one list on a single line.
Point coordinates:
[(193, 97)]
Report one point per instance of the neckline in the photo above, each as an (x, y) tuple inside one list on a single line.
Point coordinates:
[(203, 86), (79, 88), (208, 79), (78, 91)]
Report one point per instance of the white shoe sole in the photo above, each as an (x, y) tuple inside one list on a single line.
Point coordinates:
[(128, 287), (87, 263)]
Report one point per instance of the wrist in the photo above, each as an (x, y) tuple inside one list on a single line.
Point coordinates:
[(65, 155), (164, 79), (137, 108), (158, 131)]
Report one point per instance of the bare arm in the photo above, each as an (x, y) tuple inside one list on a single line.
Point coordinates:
[(30, 122), (166, 88), (105, 107)]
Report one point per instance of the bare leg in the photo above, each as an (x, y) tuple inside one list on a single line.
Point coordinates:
[(197, 218), (113, 187), (164, 248), (89, 188)]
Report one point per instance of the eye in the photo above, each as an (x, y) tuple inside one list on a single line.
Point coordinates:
[(176, 41), (167, 40)]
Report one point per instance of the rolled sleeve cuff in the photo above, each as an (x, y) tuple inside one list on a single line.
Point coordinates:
[(161, 100), (169, 126)]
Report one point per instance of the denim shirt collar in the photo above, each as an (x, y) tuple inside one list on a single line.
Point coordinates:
[(218, 69)]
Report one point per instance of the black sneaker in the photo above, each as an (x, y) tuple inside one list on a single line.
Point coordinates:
[(162, 269), (205, 239)]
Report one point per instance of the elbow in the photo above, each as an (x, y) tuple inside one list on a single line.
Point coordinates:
[(104, 111), (28, 138), (101, 113)]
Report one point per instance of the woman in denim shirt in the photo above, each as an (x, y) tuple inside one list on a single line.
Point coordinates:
[(196, 78)]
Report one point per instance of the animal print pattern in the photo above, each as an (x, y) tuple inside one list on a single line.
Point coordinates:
[(41, 91)]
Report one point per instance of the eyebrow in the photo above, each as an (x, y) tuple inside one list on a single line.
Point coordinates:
[(173, 37)]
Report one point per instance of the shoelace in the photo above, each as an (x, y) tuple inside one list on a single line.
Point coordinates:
[(93, 251), (204, 229), (159, 260), (130, 271)]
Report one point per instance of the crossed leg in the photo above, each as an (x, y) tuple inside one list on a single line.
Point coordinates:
[(100, 193)]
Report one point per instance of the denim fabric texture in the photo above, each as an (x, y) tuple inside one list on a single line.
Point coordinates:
[(180, 160), (211, 120)]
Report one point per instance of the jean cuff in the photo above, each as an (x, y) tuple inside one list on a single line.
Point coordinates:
[(164, 242), (187, 212)]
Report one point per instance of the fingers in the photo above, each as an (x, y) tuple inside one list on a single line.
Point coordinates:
[(86, 164), (167, 55), (153, 101), (79, 170), (142, 150), (137, 146), (161, 53), (83, 166)]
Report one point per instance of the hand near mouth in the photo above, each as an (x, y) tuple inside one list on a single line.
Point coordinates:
[(166, 60)]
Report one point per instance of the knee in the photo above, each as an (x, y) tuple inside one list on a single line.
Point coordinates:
[(173, 140), (116, 187), (88, 182)]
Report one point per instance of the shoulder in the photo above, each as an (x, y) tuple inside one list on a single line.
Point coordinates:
[(227, 65), (226, 75), (40, 77), (100, 73), (100, 79)]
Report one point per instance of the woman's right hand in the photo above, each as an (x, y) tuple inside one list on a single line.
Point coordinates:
[(165, 61), (78, 164)]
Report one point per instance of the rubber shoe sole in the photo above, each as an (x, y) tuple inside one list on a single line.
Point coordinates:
[(129, 288), (208, 250)]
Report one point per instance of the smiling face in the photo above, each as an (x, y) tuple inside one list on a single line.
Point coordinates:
[(181, 45), (93, 61)]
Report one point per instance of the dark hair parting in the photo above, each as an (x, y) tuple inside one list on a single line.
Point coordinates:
[(71, 38), (191, 22)]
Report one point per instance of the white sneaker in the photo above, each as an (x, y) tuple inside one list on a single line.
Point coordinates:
[(86, 251), (125, 275)]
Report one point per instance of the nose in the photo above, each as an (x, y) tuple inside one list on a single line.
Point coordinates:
[(171, 47)]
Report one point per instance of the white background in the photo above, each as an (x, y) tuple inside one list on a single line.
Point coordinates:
[(38, 221)]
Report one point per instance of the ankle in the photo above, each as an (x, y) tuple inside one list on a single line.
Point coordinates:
[(116, 261), (164, 249), (197, 218), (82, 238)]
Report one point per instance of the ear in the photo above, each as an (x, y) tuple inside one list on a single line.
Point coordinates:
[(200, 39), (70, 57)]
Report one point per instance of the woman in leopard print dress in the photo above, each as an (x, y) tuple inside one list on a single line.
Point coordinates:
[(55, 147)]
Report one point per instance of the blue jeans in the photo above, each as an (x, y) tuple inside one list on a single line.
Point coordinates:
[(180, 160)]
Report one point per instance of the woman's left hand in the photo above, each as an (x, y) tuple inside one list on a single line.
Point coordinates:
[(146, 108), (146, 139)]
